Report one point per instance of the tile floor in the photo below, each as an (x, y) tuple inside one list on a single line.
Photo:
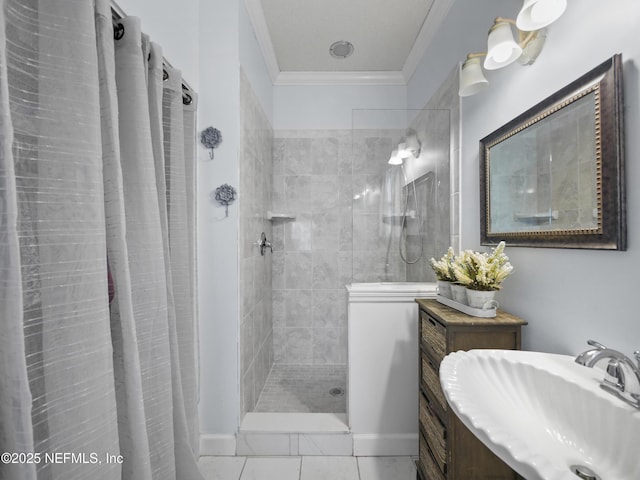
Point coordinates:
[(304, 388), (308, 468)]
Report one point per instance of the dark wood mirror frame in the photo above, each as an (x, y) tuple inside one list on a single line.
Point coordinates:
[(609, 229)]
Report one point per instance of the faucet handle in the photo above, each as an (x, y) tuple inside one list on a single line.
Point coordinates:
[(599, 346), (614, 375)]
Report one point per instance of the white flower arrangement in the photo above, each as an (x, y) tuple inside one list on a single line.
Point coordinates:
[(482, 271), (443, 268)]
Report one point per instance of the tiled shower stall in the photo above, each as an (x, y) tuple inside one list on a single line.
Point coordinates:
[(316, 195)]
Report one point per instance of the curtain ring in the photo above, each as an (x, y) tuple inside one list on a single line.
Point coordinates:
[(165, 75), (118, 31), (186, 99)]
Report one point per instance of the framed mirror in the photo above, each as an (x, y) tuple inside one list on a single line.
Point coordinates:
[(554, 176)]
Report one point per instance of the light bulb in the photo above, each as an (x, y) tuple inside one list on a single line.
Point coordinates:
[(502, 49), (537, 14), (543, 12), (502, 53)]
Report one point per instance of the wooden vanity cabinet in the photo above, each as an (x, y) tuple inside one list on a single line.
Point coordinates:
[(447, 449)]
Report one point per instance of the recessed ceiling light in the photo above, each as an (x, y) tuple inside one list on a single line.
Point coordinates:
[(341, 49)]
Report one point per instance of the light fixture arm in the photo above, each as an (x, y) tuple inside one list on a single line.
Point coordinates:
[(523, 37), (476, 55), (505, 20)]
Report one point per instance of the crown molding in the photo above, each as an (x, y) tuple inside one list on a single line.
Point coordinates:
[(437, 13), (340, 78), (256, 16)]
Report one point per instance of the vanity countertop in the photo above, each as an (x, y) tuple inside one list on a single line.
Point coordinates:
[(451, 316)]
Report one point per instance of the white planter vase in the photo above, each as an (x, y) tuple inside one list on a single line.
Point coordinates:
[(444, 289), (484, 299), (459, 293)]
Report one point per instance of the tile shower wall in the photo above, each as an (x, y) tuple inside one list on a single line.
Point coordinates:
[(312, 175), (334, 195), (254, 198), (438, 127), (375, 239), (431, 227)]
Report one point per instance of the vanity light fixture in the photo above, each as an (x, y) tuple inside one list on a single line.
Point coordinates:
[(472, 79), (503, 49), (537, 14)]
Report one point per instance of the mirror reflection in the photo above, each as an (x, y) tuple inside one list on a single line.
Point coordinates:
[(554, 175), (545, 177)]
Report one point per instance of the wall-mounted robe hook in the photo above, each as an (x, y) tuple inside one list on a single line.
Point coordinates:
[(210, 137), (225, 195)]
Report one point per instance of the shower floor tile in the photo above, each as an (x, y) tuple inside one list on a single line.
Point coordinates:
[(304, 388)]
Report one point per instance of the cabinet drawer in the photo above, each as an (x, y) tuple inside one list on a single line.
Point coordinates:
[(430, 469), (431, 380), (433, 335), (434, 432)]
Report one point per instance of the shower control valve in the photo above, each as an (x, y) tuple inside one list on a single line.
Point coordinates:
[(263, 244)]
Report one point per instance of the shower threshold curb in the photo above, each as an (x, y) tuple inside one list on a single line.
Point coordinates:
[(295, 423), (294, 434)]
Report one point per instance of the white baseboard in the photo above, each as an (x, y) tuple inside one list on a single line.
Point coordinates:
[(217, 445), (377, 444)]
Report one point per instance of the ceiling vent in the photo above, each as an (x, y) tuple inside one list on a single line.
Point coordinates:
[(341, 49)]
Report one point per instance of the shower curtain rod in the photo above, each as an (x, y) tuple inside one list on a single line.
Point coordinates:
[(118, 31)]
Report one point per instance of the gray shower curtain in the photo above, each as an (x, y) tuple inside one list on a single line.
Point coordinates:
[(98, 356)]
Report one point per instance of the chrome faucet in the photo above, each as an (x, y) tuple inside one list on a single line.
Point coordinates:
[(615, 381)]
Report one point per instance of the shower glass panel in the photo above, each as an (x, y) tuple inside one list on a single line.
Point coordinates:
[(401, 210)]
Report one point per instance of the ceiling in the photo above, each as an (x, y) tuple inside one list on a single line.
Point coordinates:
[(389, 38)]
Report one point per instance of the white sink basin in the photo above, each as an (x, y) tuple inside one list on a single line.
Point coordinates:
[(543, 413)]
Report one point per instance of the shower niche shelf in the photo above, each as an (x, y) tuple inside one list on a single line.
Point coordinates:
[(280, 216)]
